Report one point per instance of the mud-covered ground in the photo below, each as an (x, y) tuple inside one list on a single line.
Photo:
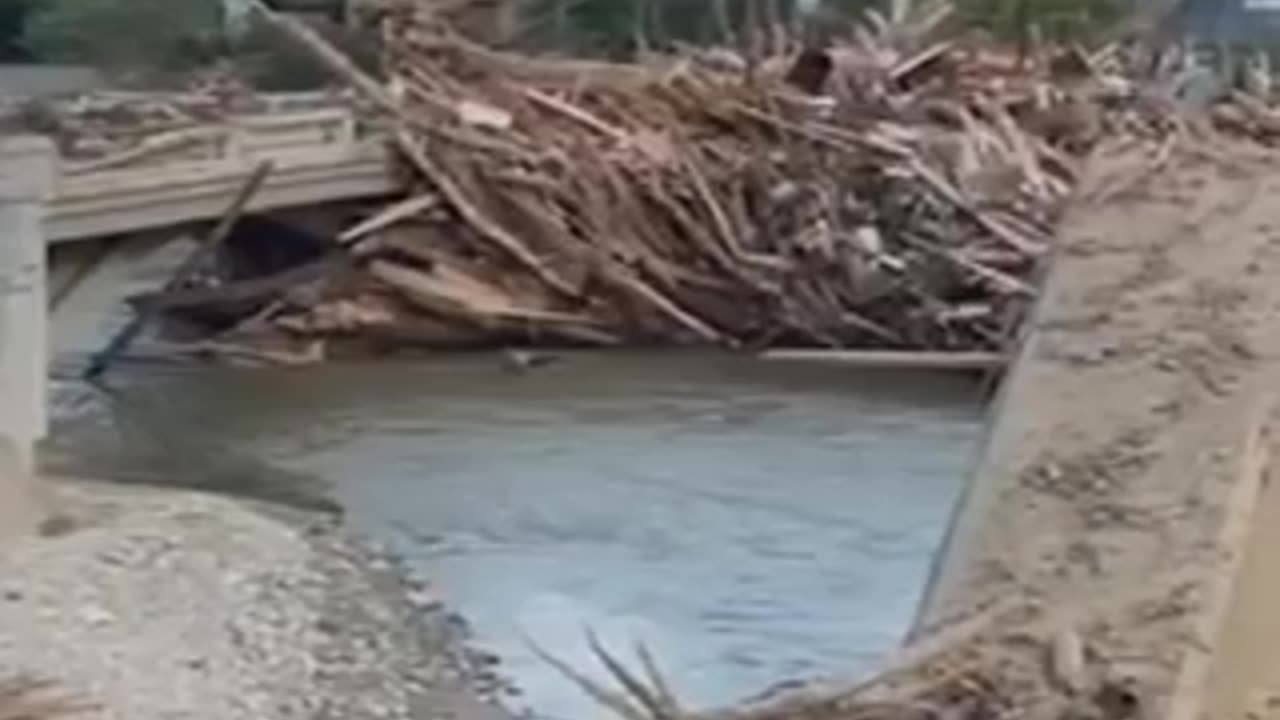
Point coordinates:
[(151, 603)]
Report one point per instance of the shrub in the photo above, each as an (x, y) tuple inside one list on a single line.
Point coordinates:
[(139, 36), (1056, 19), (272, 61), (13, 17)]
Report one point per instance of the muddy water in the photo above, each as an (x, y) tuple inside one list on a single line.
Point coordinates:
[(749, 522)]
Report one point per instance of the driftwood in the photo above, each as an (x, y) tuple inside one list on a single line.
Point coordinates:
[(233, 298), (677, 201), (26, 698), (105, 130), (399, 212), (894, 191), (120, 343), (147, 148), (1017, 657)]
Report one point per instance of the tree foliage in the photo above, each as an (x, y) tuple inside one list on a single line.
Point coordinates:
[(1052, 19), (13, 18), (130, 35), (161, 37), (275, 63), (618, 26)]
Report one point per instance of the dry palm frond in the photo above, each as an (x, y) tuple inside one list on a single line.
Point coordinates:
[(653, 699), (1016, 658), (640, 699), (657, 681), (611, 699)]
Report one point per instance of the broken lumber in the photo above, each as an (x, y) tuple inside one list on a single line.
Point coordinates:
[(119, 344)]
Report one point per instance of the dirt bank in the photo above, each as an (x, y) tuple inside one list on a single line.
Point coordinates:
[(165, 604)]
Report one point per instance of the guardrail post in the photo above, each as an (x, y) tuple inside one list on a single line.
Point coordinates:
[(28, 166)]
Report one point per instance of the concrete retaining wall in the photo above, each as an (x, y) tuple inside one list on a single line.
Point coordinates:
[(1130, 445)]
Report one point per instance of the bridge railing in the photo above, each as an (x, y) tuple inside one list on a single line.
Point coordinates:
[(317, 157)]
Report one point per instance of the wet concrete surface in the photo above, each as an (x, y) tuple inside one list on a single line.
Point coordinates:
[(750, 522)]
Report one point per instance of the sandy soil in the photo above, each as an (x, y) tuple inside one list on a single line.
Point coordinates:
[(1118, 482), (154, 603)]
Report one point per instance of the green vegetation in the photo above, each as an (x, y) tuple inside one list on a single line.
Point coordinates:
[(161, 40), (1054, 19), (615, 27), (146, 38), (125, 35), (618, 26), (275, 63), (13, 19)]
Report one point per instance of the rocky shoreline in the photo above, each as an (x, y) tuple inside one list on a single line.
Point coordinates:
[(156, 603)]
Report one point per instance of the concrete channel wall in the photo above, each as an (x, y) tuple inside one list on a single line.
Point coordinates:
[(1128, 451), (39, 81), (26, 183)]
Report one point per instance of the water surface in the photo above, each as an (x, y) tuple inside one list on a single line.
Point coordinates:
[(749, 522)]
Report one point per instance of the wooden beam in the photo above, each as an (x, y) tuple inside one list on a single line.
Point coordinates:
[(894, 359)]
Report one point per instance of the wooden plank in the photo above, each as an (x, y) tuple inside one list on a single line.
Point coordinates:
[(236, 294), (893, 359), (119, 344)]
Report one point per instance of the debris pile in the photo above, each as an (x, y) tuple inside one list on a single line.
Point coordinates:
[(891, 192), (1108, 658), (115, 129), (24, 698), (894, 190)]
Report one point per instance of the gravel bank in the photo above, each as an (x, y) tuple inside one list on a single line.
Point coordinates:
[(154, 603)]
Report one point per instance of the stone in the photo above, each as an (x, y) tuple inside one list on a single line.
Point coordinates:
[(423, 599), (96, 616)]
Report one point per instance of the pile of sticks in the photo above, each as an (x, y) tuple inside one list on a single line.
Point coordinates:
[(1017, 658), (890, 192), (116, 128), (24, 698)]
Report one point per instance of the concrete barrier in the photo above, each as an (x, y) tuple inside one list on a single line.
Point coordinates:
[(1129, 448), (26, 183), (39, 81)]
